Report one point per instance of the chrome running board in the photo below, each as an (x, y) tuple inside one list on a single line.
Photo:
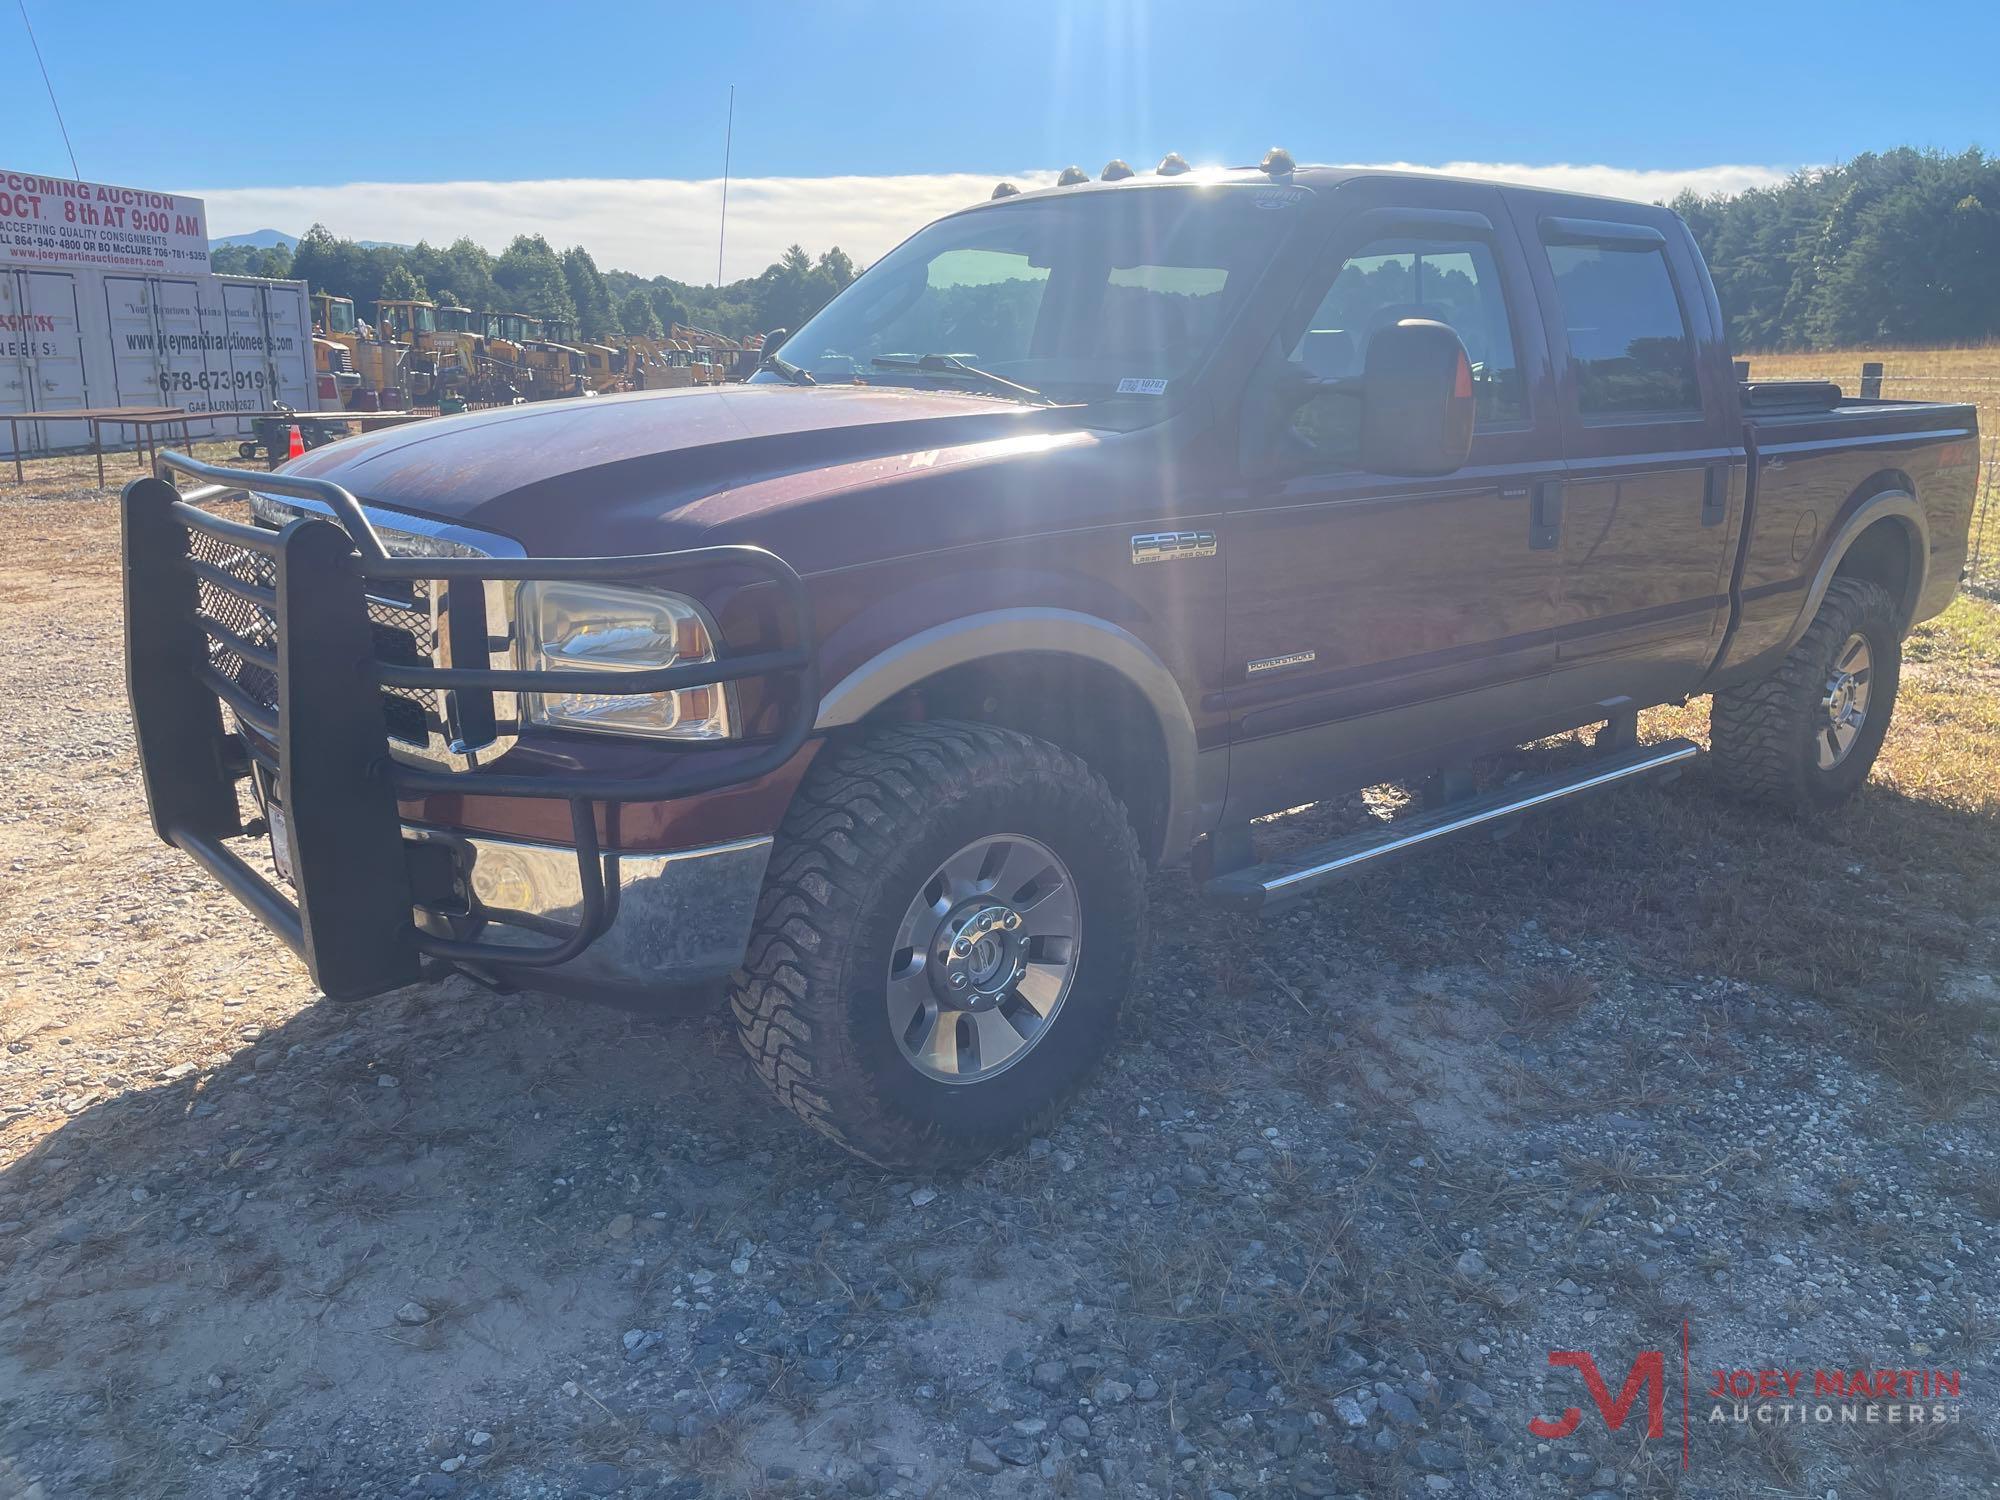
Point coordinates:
[(1262, 887)]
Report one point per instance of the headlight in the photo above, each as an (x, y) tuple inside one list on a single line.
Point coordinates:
[(409, 539), (595, 628)]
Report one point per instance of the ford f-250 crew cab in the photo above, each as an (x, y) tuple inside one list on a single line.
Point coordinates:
[(1087, 526)]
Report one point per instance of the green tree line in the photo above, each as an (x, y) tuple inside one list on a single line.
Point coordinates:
[(1899, 248), (531, 276)]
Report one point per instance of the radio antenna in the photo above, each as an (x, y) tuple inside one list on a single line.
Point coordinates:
[(728, 140)]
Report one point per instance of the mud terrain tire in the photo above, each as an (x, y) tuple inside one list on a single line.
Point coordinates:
[(1766, 737), (873, 826)]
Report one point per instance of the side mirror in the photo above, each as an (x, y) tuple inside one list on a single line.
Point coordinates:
[(775, 340), (1416, 400)]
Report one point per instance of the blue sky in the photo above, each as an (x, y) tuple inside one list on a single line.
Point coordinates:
[(236, 100)]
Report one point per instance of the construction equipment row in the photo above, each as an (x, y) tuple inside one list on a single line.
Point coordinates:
[(419, 354)]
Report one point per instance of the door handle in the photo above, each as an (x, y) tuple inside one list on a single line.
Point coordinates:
[(1545, 516), (1715, 495)]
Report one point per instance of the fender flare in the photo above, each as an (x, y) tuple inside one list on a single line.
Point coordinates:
[(1004, 632), (1882, 505)]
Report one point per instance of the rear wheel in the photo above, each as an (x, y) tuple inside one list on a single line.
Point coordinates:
[(1805, 737), (950, 922)]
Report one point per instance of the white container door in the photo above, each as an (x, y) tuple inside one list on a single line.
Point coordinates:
[(156, 341), (135, 340), (17, 339), (251, 378), (288, 340), (269, 347), (41, 355)]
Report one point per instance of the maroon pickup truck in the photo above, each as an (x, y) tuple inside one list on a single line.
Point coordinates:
[(1084, 528)]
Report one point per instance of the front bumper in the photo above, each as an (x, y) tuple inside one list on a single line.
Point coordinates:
[(279, 627), (671, 919)]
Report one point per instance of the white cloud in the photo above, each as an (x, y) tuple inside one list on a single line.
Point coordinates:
[(1612, 182), (667, 226)]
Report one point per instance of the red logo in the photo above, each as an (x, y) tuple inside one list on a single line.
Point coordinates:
[(1649, 1371), (1648, 1374), (1858, 1396)]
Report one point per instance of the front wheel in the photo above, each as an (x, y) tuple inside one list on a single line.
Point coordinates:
[(1804, 738), (951, 919)]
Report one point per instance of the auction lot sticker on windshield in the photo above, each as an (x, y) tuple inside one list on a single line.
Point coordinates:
[(1132, 385)]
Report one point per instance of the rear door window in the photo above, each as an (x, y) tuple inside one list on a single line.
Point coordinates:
[(1628, 338)]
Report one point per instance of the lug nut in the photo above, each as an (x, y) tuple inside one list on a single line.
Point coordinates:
[(961, 947), (1011, 920), (958, 980)]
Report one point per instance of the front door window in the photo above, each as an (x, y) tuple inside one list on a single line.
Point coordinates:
[(1386, 281)]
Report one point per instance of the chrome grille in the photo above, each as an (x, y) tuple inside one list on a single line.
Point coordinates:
[(399, 615), (406, 635), (404, 628), (408, 619), (246, 618)]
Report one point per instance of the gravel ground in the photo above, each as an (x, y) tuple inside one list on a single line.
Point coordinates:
[(1354, 1175)]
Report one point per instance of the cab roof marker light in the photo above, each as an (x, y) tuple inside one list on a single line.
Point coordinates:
[(1171, 165), (1005, 190), (1115, 170), (1071, 176), (1278, 162)]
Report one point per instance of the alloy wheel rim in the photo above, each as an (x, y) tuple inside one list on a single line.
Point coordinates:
[(1843, 707), (984, 958)]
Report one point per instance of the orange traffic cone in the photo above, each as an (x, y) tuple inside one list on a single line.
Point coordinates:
[(296, 448)]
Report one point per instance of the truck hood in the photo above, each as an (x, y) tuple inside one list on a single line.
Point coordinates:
[(654, 470)]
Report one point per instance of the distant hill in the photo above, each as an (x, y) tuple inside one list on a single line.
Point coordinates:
[(268, 239), (258, 239)]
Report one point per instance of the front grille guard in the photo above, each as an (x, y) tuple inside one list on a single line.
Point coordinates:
[(336, 781)]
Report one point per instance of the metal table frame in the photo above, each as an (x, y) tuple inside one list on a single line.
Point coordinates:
[(152, 417), (145, 434)]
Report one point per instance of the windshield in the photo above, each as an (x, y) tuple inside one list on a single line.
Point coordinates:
[(340, 317), (1081, 298), (405, 317)]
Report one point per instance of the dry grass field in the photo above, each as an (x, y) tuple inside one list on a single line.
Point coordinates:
[(1970, 373), (1654, 1060)]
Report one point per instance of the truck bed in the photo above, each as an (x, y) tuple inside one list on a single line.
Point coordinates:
[(1815, 459), (1804, 417)]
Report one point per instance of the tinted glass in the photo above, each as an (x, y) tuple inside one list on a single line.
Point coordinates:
[(976, 302), (1454, 282), (1627, 338), (1088, 297)]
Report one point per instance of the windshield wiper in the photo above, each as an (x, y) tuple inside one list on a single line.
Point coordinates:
[(951, 364), (794, 373)]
